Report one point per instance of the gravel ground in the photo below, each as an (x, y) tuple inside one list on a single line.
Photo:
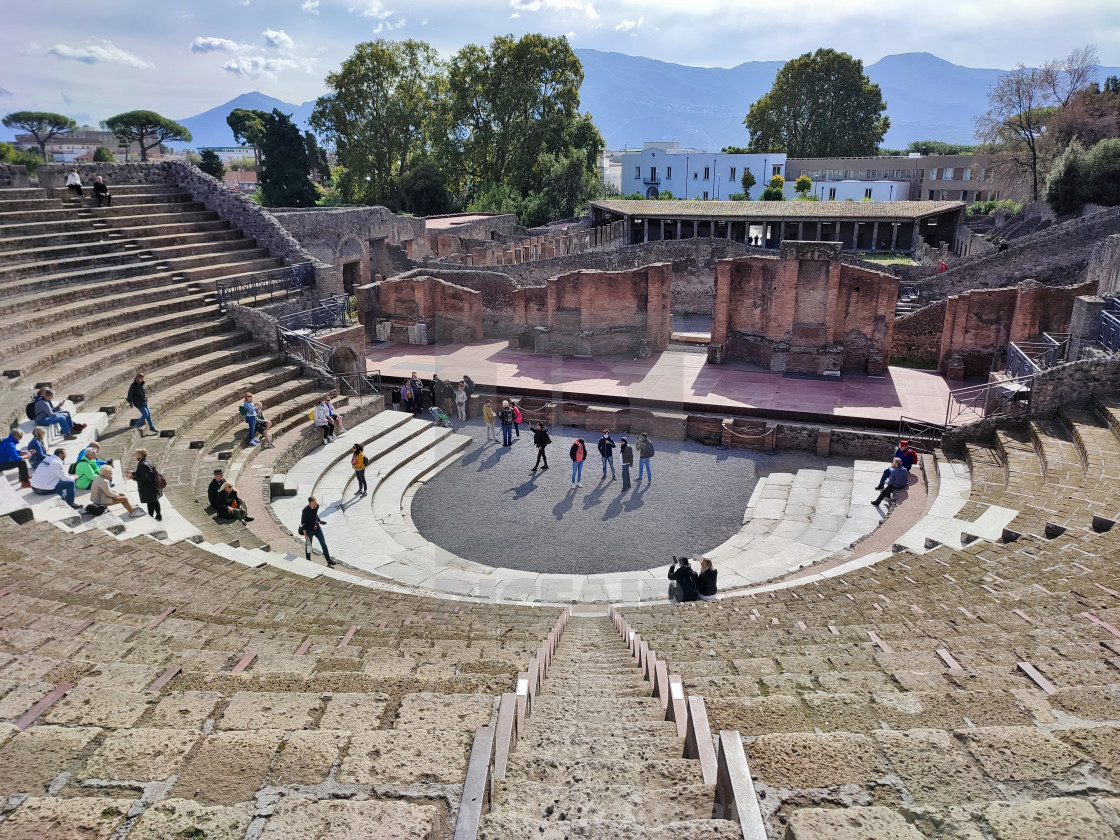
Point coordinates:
[(488, 507)]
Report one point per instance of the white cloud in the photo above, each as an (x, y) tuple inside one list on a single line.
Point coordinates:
[(211, 44), (376, 9), (99, 52), (310, 6), (277, 39), (575, 6), (388, 26), (632, 26), (254, 66)]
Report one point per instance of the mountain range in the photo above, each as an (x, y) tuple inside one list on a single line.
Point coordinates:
[(635, 99)]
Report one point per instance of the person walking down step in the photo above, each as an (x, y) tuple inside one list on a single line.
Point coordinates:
[(541, 440), (358, 462), (897, 478), (50, 479), (145, 476), (578, 452), (645, 452), (138, 399), (606, 449), (683, 576), (626, 456), (310, 525), (489, 417), (13, 458)]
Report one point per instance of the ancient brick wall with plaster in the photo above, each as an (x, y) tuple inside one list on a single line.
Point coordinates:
[(420, 310)]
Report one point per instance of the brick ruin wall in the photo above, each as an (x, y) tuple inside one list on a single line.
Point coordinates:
[(917, 336), (1104, 266), (420, 310)]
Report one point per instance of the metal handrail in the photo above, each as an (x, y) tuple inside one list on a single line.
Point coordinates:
[(1027, 358), (274, 282), (922, 435), (331, 313), (306, 349), (1108, 331), (976, 402), (360, 384)]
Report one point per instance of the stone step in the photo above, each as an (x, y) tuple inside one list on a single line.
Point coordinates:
[(517, 827), (20, 193), (550, 770), (17, 205), (83, 230), (139, 238), (602, 799), (564, 746), (11, 223), (592, 729), (122, 189)]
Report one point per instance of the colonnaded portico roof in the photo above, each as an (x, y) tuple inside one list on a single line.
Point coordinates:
[(777, 210)]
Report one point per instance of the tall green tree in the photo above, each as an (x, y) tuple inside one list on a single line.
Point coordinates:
[(247, 125), (285, 166), (378, 114), (821, 105), (568, 183), (423, 191), (748, 181), (146, 128), (104, 155), (42, 125), (513, 102), (211, 164), (1065, 188)]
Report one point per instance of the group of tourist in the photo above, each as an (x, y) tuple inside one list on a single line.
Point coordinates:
[(686, 585), (100, 188), (897, 476), (448, 397), (223, 498)]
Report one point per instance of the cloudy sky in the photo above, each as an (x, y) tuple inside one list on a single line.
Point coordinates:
[(94, 58)]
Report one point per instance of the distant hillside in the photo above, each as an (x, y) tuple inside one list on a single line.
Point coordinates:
[(209, 128)]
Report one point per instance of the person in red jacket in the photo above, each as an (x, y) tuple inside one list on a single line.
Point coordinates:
[(578, 452)]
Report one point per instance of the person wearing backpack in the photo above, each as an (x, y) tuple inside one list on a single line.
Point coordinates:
[(138, 399), (645, 452), (606, 449), (147, 481), (506, 418), (48, 414), (541, 440), (358, 462)]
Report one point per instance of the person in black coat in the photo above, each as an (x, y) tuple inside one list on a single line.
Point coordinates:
[(215, 487), (684, 577), (468, 384), (311, 526), (541, 440), (145, 475), (138, 399), (706, 582)]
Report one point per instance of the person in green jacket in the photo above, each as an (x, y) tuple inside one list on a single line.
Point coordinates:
[(88, 466)]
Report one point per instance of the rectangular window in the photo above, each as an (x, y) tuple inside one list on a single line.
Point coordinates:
[(933, 174), (637, 172), (695, 176), (967, 176), (949, 173), (867, 193), (732, 173), (931, 195), (669, 173), (980, 177), (832, 193), (777, 169), (944, 195), (707, 176), (705, 195), (964, 195)]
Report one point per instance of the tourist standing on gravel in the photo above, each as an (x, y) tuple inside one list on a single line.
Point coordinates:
[(101, 192), (406, 396), (645, 452), (706, 582), (74, 183), (488, 417), (358, 462), (417, 387), (684, 578), (12, 458), (51, 479), (506, 418), (578, 453), (626, 456), (145, 475), (311, 526), (461, 402), (517, 418), (138, 399), (897, 478), (468, 383), (541, 439), (606, 449)]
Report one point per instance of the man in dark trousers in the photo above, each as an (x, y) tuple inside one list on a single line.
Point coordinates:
[(897, 479), (684, 577), (468, 386), (606, 449), (138, 399), (541, 440), (214, 488), (417, 393), (505, 416), (311, 526), (626, 456)]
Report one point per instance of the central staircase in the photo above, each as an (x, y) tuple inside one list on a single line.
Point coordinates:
[(597, 757)]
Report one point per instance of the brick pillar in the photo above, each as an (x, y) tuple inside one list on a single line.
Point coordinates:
[(824, 442), (721, 311), (1083, 324)]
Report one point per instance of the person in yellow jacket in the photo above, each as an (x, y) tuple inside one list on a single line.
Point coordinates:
[(358, 462), (488, 417)]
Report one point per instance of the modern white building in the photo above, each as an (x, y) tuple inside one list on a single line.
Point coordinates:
[(693, 173), (879, 190), (228, 153)]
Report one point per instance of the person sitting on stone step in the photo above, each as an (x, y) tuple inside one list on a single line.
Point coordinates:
[(88, 466), (706, 581), (14, 458), (101, 192), (101, 493), (230, 505), (683, 587), (897, 478), (263, 425), (215, 487), (51, 479), (74, 183), (49, 414), (38, 446)]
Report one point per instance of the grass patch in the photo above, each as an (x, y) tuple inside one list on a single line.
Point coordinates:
[(913, 362), (885, 257)]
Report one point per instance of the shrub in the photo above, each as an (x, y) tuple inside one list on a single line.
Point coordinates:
[(773, 193)]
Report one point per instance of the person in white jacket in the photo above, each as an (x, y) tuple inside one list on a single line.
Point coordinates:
[(323, 420), (50, 478), (74, 183)]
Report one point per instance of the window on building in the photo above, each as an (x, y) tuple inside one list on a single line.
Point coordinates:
[(980, 177), (931, 195), (832, 193), (964, 195), (944, 195), (948, 174), (695, 176), (967, 174), (705, 195), (777, 169), (707, 176), (637, 172), (867, 193), (732, 173), (669, 172), (921, 173), (933, 174)]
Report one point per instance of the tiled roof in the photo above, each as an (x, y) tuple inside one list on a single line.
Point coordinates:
[(777, 210)]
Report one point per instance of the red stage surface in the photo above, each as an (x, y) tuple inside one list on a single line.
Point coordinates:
[(673, 378)]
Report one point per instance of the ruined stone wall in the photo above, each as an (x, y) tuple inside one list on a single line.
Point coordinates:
[(598, 313), (420, 310), (1104, 266), (495, 286), (866, 306), (13, 176), (1040, 309), (917, 335)]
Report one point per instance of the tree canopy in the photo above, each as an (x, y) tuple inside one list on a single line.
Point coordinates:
[(821, 105), (211, 164), (285, 164), (146, 128), (42, 125), (247, 125)]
